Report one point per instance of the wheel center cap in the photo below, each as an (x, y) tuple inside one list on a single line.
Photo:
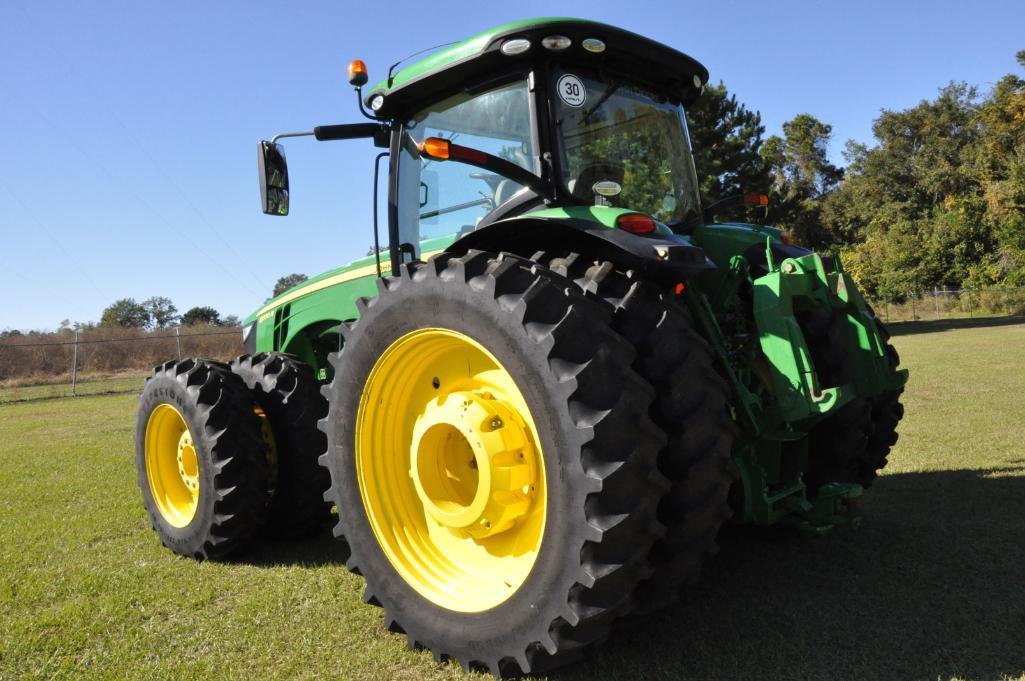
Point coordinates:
[(472, 463), (188, 462)]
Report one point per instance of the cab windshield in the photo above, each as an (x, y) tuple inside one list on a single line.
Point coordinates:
[(621, 145)]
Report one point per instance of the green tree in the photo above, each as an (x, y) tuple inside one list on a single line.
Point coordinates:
[(231, 320), (918, 208), (802, 176), (125, 313), (162, 311), (288, 281), (201, 315), (727, 139)]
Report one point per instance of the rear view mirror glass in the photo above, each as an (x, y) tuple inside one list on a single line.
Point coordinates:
[(273, 178)]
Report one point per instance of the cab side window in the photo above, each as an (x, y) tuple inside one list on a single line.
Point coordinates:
[(440, 200)]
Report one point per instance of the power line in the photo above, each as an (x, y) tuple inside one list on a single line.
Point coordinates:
[(56, 242), (81, 78), (128, 190)]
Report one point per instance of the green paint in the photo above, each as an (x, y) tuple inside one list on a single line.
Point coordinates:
[(605, 216)]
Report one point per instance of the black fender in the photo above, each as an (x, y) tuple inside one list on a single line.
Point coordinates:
[(665, 258)]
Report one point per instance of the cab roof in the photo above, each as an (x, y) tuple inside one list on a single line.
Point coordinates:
[(645, 60)]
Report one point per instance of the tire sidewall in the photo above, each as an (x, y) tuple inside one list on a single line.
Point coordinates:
[(163, 389), (433, 302)]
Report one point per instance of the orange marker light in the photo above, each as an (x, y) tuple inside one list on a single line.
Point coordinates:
[(756, 200), (635, 223), (358, 75), (435, 147)]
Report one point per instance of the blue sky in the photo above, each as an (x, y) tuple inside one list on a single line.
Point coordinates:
[(130, 127)]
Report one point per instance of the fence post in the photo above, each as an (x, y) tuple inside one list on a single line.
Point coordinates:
[(178, 340), (936, 301), (74, 369)]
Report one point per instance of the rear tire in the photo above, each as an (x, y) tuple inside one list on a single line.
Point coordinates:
[(287, 391), (691, 407), (596, 448), (201, 463)]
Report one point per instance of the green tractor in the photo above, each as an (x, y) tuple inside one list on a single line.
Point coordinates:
[(530, 414)]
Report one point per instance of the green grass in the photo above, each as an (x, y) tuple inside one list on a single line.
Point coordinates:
[(931, 587), (90, 386)]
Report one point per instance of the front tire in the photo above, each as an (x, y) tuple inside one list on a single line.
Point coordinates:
[(288, 395), (200, 460), (482, 367)]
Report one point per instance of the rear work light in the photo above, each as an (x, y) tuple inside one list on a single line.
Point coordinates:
[(515, 46), (556, 42), (635, 223)]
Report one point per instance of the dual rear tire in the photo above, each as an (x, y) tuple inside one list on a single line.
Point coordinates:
[(511, 553)]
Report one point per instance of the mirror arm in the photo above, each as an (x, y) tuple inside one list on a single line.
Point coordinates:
[(274, 139)]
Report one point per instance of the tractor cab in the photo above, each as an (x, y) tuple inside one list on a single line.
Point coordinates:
[(526, 120)]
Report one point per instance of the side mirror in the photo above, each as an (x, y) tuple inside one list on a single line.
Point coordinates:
[(273, 178)]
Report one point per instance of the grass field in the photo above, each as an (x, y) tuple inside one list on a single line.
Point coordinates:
[(931, 587), (90, 386)]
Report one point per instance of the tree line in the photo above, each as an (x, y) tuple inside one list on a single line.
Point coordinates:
[(158, 312), (936, 200)]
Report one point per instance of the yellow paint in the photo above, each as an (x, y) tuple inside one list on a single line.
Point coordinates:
[(340, 278), (450, 470), (172, 465)]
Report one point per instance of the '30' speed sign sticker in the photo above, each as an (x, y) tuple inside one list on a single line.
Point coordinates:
[(571, 90)]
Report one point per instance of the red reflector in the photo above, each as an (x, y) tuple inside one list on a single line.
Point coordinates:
[(680, 288), (787, 239), (635, 223)]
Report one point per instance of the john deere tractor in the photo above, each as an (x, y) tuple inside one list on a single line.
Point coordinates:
[(530, 411)]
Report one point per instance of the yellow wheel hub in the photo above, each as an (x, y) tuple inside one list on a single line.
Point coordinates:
[(172, 466), (450, 471)]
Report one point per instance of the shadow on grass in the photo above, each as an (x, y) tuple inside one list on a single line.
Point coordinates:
[(931, 586), (933, 325), (320, 549)]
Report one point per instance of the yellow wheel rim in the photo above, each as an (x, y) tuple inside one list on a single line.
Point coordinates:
[(172, 466), (450, 470)]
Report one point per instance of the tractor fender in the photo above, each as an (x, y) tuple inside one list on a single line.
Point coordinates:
[(669, 258)]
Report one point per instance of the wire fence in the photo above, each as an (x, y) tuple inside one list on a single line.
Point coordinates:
[(103, 361), (108, 361), (940, 304)]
